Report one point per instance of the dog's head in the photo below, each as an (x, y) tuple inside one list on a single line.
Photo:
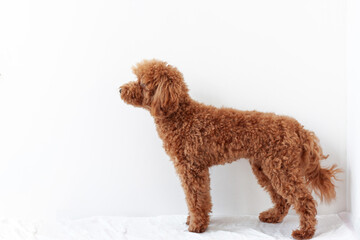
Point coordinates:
[(159, 88)]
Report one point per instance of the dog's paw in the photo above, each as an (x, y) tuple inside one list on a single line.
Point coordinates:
[(197, 228), (303, 234), (271, 216), (188, 220)]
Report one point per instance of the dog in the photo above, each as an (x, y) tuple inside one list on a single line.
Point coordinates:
[(284, 156)]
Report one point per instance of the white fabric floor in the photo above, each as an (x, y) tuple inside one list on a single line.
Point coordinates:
[(329, 227)]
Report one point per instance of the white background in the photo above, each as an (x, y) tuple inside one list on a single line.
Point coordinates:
[(70, 147), (353, 128)]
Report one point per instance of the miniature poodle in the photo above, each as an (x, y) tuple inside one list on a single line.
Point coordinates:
[(284, 156)]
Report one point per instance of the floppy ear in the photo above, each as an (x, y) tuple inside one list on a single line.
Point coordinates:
[(166, 98)]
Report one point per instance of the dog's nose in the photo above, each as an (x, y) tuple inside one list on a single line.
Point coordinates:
[(120, 90)]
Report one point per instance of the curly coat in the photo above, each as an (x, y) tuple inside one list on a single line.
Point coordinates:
[(284, 157)]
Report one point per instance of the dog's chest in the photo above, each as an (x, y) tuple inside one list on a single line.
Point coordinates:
[(172, 136)]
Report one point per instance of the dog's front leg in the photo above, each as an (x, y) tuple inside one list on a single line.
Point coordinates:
[(196, 185)]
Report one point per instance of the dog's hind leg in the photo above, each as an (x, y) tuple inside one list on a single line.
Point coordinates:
[(289, 183), (196, 185), (281, 206)]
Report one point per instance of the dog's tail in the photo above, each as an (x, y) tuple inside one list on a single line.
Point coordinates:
[(319, 179)]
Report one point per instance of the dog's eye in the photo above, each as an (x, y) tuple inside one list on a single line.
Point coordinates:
[(142, 85)]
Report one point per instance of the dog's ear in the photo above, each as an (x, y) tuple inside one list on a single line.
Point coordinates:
[(166, 98)]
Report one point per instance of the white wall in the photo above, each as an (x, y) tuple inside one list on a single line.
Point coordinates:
[(70, 147), (353, 139)]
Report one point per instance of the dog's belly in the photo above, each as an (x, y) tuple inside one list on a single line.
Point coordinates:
[(219, 153), (227, 159)]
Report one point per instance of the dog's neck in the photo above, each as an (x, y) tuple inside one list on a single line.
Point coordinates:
[(183, 112)]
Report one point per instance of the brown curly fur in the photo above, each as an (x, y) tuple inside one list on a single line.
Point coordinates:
[(284, 156)]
